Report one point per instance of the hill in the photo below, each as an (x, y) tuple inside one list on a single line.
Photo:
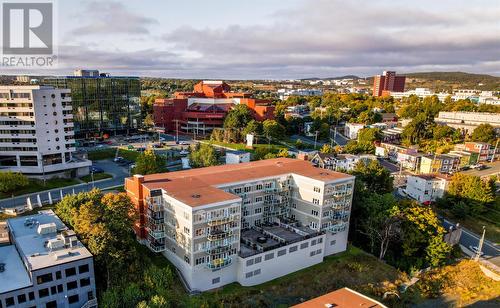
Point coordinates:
[(452, 80)]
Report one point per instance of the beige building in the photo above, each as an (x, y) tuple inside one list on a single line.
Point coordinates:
[(468, 121), (248, 223)]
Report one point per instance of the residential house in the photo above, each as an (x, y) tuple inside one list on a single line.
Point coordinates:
[(426, 188)]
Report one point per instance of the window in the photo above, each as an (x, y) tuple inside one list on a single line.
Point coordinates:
[(320, 240), (186, 259), (249, 262), (73, 299), (9, 301), (258, 199), (258, 260), (258, 210), (312, 253), (237, 190), (315, 201), (216, 280), (281, 252), (256, 272), (53, 290), (199, 261), (317, 189), (43, 292), (333, 242), (31, 296), (269, 256), (58, 275), (247, 189), (51, 304), (258, 187), (70, 271), (59, 288), (313, 242), (249, 274), (304, 245), (84, 282), (293, 249), (72, 285), (21, 298), (186, 230), (44, 278), (199, 232), (83, 268), (318, 251), (314, 212)]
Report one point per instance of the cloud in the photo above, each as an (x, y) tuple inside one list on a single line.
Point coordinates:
[(111, 17), (328, 36)]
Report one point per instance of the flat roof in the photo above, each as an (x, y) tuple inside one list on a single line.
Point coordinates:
[(14, 271), (202, 186), (32, 245), (341, 298)]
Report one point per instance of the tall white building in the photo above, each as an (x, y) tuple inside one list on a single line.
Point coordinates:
[(36, 131), (250, 223)]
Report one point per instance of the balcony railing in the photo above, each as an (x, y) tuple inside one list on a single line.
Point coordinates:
[(156, 234), (220, 220), (90, 303), (156, 247), (218, 249), (340, 227), (219, 235), (219, 263)]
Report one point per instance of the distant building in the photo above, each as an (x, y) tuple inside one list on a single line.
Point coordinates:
[(102, 103), (388, 82), (485, 151), (247, 223), (341, 298), (419, 92), (86, 73), (297, 111), (426, 188), (410, 160), (204, 109), (442, 163), (392, 135), (468, 121), (286, 93), (237, 157), (37, 132), (339, 162), (351, 130), (45, 265)]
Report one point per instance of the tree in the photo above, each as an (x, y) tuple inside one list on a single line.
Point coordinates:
[(327, 149), (273, 129), (148, 163), (369, 135), (253, 127), (471, 192), (238, 117), (104, 224), (373, 176), (203, 155), (149, 121), (484, 133), (11, 181)]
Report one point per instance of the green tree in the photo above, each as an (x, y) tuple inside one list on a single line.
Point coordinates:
[(369, 135), (327, 149), (484, 133), (203, 155), (148, 163), (11, 181), (373, 176), (273, 129), (253, 127), (238, 117), (149, 121)]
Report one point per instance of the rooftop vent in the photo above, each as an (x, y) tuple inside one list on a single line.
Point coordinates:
[(47, 228), (261, 239), (2, 267), (196, 196)]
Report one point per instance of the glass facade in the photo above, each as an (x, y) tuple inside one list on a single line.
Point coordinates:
[(102, 104)]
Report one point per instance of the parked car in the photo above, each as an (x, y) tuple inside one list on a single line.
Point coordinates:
[(478, 166), (118, 159), (95, 169), (475, 250), (157, 145), (183, 143)]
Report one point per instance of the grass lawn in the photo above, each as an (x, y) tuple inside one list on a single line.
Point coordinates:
[(110, 154), (37, 185), (97, 177), (242, 146), (353, 268)]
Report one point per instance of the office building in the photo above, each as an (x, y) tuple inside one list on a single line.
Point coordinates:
[(426, 188), (45, 265), (388, 82), (101, 103), (204, 109), (286, 93), (467, 121), (341, 298), (86, 73), (250, 223), (36, 132)]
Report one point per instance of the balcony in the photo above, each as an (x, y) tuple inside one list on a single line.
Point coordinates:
[(219, 263), (336, 228), (219, 235), (220, 220), (156, 247), (339, 216), (218, 249)]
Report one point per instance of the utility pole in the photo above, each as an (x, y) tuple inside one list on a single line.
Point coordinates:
[(316, 139), (480, 246)]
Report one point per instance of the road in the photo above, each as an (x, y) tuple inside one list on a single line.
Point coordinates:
[(491, 169), (119, 173), (490, 250)]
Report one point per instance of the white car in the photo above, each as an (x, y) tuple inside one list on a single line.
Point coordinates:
[(475, 250), (183, 143), (184, 152), (117, 159)]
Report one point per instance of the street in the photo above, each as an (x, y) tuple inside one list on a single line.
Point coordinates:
[(491, 169), (119, 173), (490, 250)]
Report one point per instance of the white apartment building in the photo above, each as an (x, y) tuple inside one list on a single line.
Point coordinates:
[(45, 265), (237, 157), (286, 93), (468, 121), (36, 131), (426, 188), (351, 130), (340, 162), (250, 223)]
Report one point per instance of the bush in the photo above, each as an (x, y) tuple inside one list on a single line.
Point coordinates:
[(11, 181)]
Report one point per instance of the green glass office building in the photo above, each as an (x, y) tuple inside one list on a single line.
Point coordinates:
[(103, 104)]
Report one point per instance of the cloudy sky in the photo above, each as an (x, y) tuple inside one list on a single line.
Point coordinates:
[(278, 38)]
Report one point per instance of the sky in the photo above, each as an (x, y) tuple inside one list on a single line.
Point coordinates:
[(276, 39)]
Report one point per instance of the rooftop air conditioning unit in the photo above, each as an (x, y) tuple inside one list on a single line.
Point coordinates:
[(47, 228)]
